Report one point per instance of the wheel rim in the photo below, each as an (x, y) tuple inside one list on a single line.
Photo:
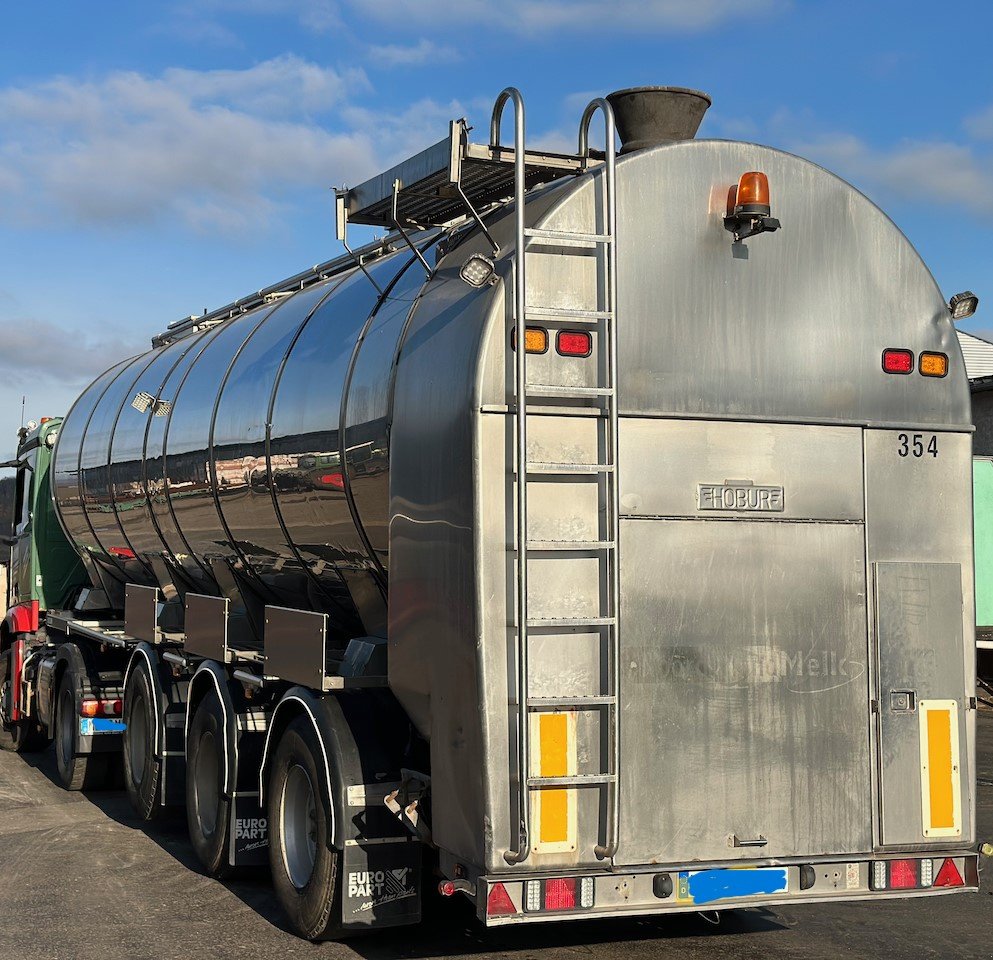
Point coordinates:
[(298, 826), (205, 784), (136, 732), (67, 716)]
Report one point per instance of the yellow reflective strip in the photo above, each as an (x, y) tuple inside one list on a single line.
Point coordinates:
[(554, 745), (554, 759), (940, 762)]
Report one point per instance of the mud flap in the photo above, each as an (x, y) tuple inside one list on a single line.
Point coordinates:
[(381, 885), (248, 844)]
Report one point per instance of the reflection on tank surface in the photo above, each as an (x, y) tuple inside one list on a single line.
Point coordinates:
[(250, 458)]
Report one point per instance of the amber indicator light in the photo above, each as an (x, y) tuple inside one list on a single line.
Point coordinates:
[(933, 364)]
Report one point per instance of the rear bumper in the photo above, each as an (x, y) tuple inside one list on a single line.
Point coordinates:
[(646, 893)]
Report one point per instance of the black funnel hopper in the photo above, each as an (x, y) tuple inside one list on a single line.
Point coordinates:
[(648, 116)]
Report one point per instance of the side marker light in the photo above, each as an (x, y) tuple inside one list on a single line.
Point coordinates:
[(932, 364), (898, 361)]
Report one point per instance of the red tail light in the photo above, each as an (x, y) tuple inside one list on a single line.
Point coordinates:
[(903, 874), (948, 875), (560, 894), (898, 361), (335, 480), (122, 553), (498, 903), (574, 343)]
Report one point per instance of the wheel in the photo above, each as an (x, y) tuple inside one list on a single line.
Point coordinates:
[(305, 870), (142, 769), (208, 810), (76, 772), (22, 736)]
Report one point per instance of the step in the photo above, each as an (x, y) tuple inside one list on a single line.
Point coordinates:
[(551, 703), (552, 624), (566, 392), (582, 780), (538, 233), (566, 313), (547, 546), (537, 466)]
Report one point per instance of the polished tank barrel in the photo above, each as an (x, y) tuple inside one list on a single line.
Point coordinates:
[(250, 457)]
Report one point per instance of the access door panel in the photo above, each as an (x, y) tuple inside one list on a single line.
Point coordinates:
[(922, 716)]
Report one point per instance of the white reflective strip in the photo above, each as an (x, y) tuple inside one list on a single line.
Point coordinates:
[(204, 668), (155, 706), (327, 766)]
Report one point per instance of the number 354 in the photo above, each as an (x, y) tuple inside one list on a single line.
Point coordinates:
[(917, 445)]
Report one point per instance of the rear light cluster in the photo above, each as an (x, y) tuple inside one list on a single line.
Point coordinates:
[(563, 893), (101, 708), (929, 364), (568, 343), (915, 874)]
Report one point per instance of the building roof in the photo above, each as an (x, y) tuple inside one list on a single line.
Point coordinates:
[(978, 354)]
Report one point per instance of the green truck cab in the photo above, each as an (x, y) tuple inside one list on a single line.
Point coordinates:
[(43, 565)]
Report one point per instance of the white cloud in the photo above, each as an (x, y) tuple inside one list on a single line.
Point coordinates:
[(214, 149), (934, 173), (425, 51), (980, 125), (529, 16)]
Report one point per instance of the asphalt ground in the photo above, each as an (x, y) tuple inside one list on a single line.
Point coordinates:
[(82, 879)]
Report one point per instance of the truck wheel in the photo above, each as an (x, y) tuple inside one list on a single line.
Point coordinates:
[(24, 736), (75, 772), (142, 769), (305, 870), (208, 810)]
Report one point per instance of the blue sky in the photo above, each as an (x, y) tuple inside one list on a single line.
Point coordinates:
[(162, 157)]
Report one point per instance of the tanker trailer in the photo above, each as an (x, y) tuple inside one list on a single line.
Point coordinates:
[(598, 543)]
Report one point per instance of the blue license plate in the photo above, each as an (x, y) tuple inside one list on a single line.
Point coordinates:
[(709, 886)]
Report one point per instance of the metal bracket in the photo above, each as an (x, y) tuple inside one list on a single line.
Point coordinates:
[(404, 803), (403, 233), (341, 232)]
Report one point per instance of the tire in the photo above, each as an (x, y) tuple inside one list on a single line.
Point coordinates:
[(306, 871), (24, 736), (142, 769), (208, 810), (75, 772)]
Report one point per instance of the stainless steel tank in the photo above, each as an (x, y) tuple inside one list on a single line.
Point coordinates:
[(220, 459)]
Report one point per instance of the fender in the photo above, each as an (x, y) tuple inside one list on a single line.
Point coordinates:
[(301, 701), (146, 652), (212, 676), (23, 617), (358, 733)]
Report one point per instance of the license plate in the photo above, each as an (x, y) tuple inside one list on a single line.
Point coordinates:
[(709, 886)]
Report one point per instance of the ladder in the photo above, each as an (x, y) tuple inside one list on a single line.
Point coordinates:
[(603, 397)]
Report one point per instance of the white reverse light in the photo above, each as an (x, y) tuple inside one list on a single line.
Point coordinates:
[(879, 875), (963, 305), (532, 895), (478, 271), (586, 892), (927, 873)]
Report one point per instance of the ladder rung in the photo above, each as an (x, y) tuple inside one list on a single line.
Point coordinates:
[(538, 233), (564, 391), (537, 466), (567, 313), (543, 703), (583, 780), (570, 545), (552, 623)]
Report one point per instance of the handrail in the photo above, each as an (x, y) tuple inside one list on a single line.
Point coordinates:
[(609, 848), (519, 854)]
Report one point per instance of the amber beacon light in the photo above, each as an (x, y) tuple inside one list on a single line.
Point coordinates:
[(749, 209)]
